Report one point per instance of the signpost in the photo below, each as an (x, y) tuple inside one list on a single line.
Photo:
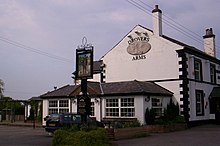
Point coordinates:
[(84, 71)]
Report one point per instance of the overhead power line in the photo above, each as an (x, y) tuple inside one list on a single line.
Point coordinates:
[(175, 25), (28, 48), (21, 92)]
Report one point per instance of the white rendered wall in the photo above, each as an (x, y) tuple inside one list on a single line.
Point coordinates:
[(45, 111), (207, 90), (139, 108), (161, 61)]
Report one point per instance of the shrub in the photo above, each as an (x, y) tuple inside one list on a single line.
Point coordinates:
[(72, 128), (80, 138), (172, 110), (179, 119), (116, 124), (135, 123), (150, 116), (125, 124), (59, 137), (86, 127), (171, 115)]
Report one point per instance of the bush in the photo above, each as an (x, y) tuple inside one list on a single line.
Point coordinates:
[(179, 119), (86, 127), (59, 137), (172, 110), (171, 115), (150, 116), (125, 124), (135, 123), (72, 128), (80, 138)]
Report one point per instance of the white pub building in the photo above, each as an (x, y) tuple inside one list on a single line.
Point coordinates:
[(145, 70)]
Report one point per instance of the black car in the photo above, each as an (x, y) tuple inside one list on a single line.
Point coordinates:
[(56, 121)]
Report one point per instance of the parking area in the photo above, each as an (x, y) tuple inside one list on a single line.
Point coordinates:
[(205, 135), (23, 136)]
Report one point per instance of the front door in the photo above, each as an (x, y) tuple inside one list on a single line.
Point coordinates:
[(217, 110)]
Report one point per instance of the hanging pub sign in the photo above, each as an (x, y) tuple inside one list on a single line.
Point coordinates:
[(84, 63)]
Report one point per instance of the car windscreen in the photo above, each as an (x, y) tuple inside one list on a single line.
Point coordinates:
[(54, 117)]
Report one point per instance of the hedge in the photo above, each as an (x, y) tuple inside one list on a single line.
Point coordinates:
[(80, 138)]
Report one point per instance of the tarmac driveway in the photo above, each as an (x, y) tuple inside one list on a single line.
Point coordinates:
[(205, 135), (23, 136)]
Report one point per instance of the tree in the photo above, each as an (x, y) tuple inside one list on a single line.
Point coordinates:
[(150, 116), (5, 103), (172, 111), (1, 88)]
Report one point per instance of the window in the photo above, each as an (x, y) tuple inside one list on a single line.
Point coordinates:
[(92, 109), (53, 103), (58, 106), (120, 107), (198, 70), (157, 106), (212, 73), (199, 103), (127, 107), (52, 111), (63, 103), (112, 108)]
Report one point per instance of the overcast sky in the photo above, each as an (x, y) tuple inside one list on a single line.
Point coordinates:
[(38, 38)]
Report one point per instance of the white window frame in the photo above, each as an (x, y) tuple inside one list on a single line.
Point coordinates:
[(157, 106), (212, 73), (92, 109), (198, 70), (58, 106), (199, 103), (117, 107)]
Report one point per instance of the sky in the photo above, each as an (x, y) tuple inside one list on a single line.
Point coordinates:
[(39, 38)]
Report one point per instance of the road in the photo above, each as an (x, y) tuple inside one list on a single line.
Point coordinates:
[(206, 135), (23, 136)]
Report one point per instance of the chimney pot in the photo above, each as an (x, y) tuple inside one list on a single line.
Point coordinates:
[(156, 9), (209, 32)]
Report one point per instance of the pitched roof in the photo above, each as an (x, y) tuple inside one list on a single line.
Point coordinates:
[(115, 88), (35, 99), (134, 87), (63, 91), (95, 86)]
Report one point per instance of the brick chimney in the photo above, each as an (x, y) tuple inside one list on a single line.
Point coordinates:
[(209, 43), (157, 21)]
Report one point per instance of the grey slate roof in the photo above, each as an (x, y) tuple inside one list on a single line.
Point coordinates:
[(63, 91), (35, 99), (134, 87), (115, 88)]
